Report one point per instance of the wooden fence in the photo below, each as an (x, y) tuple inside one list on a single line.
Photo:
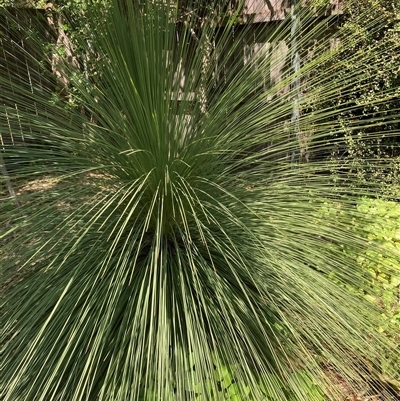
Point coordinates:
[(277, 10)]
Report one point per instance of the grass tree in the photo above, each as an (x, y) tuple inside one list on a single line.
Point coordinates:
[(170, 249)]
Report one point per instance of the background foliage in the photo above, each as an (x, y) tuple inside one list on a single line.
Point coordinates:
[(364, 154)]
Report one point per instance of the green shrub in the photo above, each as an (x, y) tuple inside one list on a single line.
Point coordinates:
[(379, 223), (164, 221), (382, 225), (369, 153)]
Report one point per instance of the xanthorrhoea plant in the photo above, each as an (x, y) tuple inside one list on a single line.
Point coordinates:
[(173, 232)]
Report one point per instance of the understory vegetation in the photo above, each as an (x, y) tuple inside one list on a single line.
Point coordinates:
[(193, 205)]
